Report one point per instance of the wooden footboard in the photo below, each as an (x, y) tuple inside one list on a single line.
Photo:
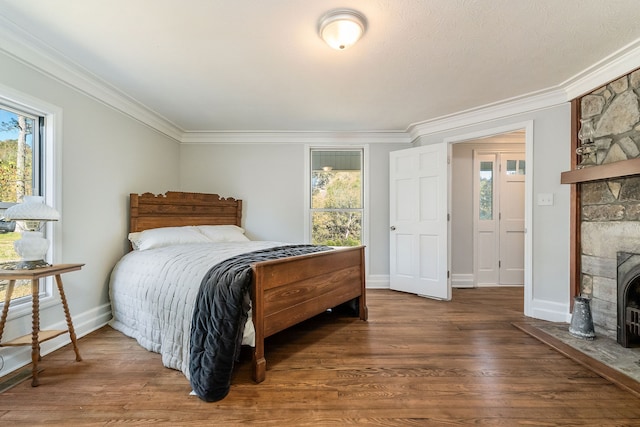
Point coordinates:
[(290, 290)]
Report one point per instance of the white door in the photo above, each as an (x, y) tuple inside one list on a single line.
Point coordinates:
[(418, 221), (512, 171), (499, 218), (486, 213)]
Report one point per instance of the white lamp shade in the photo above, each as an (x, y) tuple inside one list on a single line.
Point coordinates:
[(342, 28), (32, 209)]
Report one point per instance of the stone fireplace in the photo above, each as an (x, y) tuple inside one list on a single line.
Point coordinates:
[(610, 208), (610, 224)]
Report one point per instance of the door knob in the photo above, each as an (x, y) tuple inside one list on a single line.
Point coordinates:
[(393, 228)]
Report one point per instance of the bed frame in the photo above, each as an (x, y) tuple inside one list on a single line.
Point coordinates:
[(284, 291)]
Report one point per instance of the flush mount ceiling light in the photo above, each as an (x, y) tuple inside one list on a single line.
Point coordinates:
[(341, 28)]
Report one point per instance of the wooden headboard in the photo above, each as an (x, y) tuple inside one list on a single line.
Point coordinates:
[(175, 209)]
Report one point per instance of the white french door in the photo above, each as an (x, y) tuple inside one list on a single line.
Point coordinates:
[(486, 222), (512, 171), (499, 190)]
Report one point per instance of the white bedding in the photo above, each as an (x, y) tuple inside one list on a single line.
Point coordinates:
[(153, 294)]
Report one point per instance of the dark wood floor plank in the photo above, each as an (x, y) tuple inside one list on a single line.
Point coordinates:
[(415, 362)]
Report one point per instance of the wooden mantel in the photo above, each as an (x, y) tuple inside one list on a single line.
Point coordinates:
[(605, 171)]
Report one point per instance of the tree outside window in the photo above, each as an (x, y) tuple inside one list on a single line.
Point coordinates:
[(18, 154), (336, 197)]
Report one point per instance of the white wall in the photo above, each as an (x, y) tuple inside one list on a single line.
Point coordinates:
[(550, 224), (270, 180), (105, 156)]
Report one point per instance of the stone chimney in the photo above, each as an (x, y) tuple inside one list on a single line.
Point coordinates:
[(610, 209)]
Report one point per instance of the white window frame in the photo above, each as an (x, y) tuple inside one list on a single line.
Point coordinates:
[(51, 154), (365, 190)]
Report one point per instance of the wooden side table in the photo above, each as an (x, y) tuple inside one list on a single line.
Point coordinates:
[(37, 336)]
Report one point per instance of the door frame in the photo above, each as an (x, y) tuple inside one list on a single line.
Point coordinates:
[(527, 126)]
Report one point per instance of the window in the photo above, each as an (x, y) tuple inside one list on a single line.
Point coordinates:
[(516, 167), (486, 190), (20, 174), (336, 202)]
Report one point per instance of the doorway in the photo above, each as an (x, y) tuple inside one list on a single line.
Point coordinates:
[(410, 264), (488, 211)]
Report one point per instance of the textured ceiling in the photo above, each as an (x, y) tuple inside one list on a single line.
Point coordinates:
[(255, 65)]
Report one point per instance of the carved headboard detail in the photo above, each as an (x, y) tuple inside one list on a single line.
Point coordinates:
[(175, 209)]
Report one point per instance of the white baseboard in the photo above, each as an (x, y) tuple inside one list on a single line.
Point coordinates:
[(462, 281), (550, 311), (378, 281), (14, 358)]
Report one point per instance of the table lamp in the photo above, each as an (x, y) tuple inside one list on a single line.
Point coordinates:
[(31, 215)]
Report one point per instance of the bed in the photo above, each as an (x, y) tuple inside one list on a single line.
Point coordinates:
[(283, 291)]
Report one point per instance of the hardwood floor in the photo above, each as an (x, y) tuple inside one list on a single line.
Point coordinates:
[(414, 362)]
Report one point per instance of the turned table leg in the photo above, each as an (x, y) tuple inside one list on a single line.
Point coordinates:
[(5, 307), (35, 345), (67, 315)]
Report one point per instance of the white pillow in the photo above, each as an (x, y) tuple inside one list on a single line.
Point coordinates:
[(166, 236), (134, 238), (223, 233)]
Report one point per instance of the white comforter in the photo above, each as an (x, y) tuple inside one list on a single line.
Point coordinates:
[(153, 295)]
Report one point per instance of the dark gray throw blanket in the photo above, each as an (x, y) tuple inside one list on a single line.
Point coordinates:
[(221, 310)]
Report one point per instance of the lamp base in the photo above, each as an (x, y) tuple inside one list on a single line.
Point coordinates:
[(24, 265), (32, 248), (32, 265)]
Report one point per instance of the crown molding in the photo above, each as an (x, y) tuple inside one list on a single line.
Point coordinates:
[(288, 137), (604, 71), (32, 52), (510, 107)]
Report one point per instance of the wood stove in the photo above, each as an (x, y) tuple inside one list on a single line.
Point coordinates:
[(628, 276)]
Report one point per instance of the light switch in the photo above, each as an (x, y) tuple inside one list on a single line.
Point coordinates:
[(545, 199)]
